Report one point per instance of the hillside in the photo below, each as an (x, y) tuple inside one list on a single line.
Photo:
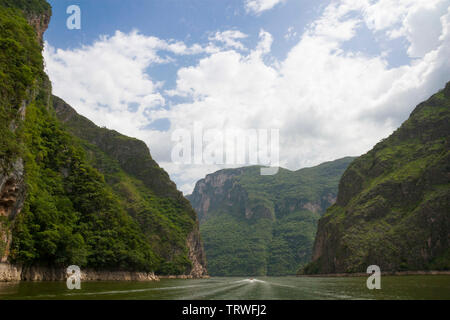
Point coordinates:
[(74, 193), (144, 190), (263, 225), (392, 208)]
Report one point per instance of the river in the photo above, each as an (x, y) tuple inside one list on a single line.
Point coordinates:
[(222, 288)]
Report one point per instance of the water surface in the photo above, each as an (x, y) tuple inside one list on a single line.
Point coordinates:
[(286, 288)]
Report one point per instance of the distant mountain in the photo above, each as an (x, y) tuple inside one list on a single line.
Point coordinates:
[(71, 192), (263, 225), (393, 205)]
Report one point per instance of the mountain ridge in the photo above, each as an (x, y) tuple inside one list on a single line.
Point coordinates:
[(263, 225)]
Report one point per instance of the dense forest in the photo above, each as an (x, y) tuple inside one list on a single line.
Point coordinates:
[(64, 200), (263, 225)]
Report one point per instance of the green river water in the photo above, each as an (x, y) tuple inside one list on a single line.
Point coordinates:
[(297, 288)]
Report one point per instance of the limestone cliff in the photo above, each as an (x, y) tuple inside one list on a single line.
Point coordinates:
[(12, 195), (74, 193), (36, 12), (9, 272), (263, 225), (39, 22), (392, 208), (12, 181)]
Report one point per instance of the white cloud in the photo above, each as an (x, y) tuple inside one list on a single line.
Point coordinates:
[(107, 81), (417, 20), (327, 101), (258, 6), (230, 38), (265, 42)]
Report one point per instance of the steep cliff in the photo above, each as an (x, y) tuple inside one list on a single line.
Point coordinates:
[(22, 82), (144, 188), (36, 12), (392, 208), (258, 225), (99, 201)]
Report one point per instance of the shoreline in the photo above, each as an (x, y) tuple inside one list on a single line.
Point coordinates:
[(17, 273), (383, 273)]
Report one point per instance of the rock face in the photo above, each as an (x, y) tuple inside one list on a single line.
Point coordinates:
[(196, 254), (217, 190), (40, 24), (263, 225), (36, 12), (392, 208), (9, 272), (12, 182), (12, 196)]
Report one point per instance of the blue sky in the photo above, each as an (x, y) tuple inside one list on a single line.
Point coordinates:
[(187, 20), (191, 21), (334, 77)]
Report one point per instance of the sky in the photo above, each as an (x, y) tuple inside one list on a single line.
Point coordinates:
[(332, 77)]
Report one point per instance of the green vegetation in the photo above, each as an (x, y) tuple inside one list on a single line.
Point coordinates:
[(260, 246), (263, 225), (309, 184), (239, 248), (21, 68), (143, 189), (20, 65), (392, 207), (291, 246), (72, 217), (35, 7), (101, 205)]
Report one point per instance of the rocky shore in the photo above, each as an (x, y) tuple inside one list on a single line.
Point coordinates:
[(9, 272)]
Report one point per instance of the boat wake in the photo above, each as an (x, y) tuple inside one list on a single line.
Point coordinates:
[(251, 280)]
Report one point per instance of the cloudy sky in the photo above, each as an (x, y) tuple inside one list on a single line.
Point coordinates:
[(334, 77)]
